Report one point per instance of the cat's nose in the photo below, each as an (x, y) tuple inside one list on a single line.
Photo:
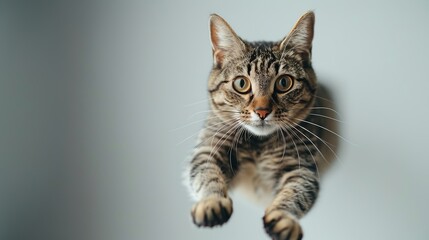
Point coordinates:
[(262, 112)]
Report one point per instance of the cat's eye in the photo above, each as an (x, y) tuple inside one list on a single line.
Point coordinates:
[(241, 85), (284, 83)]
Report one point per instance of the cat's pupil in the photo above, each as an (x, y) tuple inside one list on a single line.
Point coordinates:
[(242, 83), (283, 82)]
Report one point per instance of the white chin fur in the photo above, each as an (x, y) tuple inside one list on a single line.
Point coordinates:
[(262, 130)]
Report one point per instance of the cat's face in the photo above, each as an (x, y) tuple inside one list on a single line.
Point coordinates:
[(262, 86)]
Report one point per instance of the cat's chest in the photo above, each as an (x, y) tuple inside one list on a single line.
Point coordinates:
[(263, 159), (254, 176), (257, 151)]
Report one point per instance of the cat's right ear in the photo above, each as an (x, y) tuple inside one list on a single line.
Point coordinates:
[(225, 42)]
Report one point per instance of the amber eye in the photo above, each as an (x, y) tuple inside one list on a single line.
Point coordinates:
[(284, 83), (241, 85)]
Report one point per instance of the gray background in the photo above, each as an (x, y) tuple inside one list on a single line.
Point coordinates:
[(100, 102)]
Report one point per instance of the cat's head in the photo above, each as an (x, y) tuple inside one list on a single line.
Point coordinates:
[(263, 86)]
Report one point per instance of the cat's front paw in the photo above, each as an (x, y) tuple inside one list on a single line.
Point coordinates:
[(212, 211), (282, 226)]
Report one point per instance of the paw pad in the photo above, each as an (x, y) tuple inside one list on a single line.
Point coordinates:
[(282, 226), (212, 211)]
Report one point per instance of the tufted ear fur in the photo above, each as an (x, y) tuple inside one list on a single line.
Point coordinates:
[(225, 42), (301, 36)]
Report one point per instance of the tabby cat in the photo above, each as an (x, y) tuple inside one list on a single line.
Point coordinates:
[(270, 129)]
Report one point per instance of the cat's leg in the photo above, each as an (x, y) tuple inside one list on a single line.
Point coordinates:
[(296, 193), (209, 175)]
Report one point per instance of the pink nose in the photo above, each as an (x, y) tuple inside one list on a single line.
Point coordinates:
[(262, 112)]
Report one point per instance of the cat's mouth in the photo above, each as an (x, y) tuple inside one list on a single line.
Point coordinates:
[(261, 123), (261, 128)]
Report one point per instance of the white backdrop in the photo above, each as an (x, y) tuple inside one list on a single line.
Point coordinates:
[(134, 79)]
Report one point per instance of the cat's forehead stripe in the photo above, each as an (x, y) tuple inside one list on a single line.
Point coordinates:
[(261, 58)]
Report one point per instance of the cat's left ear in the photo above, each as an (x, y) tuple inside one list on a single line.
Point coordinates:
[(301, 36), (225, 42)]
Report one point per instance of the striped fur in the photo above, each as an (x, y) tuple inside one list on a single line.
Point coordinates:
[(277, 159)]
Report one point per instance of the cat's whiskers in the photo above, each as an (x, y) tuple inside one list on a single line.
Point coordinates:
[(225, 136), (324, 128), (214, 148), (284, 141), (191, 123), (226, 125), (202, 120), (325, 116), (296, 148), (320, 139), (236, 139), (325, 108), (216, 124), (198, 102), (291, 128), (325, 99), (327, 144), (293, 141), (200, 112), (208, 111)]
